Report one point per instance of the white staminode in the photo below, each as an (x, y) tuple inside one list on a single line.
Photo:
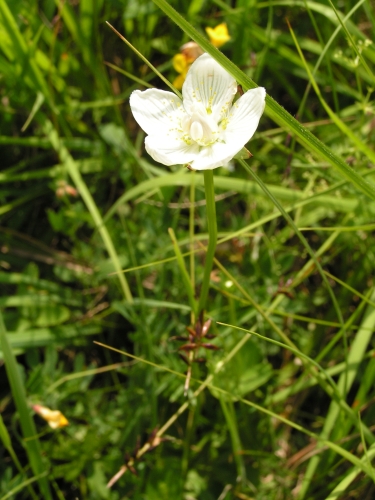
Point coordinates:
[(203, 130)]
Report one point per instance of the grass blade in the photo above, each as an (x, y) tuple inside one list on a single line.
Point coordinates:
[(31, 440)]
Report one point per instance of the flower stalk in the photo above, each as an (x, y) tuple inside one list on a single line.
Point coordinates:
[(212, 237), (185, 275)]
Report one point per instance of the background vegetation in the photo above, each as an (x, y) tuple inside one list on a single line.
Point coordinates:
[(287, 413)]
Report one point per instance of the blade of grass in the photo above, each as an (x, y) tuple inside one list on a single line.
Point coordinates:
[(231, 420), (31, 441), (328, 63), (240, 186), (36, 193), (329, 346), (144, 59), (130, 76), (350, 476)]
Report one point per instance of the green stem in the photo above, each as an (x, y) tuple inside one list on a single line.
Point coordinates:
[(212, 236), (184, 273), (191, 235)]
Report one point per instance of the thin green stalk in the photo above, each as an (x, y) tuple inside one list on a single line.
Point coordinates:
[(31, 441), (181, 178), (144, 59), (328, 62), (184, 273), (230, 418), (346, 205), (191, 233), (327, 348), (188, 438), (130, 76), (212, 236), (203, 384), (350, 476)]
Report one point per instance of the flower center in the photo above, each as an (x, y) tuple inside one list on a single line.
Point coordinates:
[(196, 131), (199, 126)]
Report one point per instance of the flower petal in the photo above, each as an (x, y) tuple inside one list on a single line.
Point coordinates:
[(243, 120), (156, 111), (170, 151), (244, 116), (210, 86), (216, 155)]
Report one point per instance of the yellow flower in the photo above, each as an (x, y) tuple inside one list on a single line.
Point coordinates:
[(179, 81), (54, 418), (181, 65), (219, 35)]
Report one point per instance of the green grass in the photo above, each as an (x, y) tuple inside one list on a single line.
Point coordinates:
[(103, 258)]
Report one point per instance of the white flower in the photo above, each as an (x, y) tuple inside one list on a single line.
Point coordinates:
[(204, 130)]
